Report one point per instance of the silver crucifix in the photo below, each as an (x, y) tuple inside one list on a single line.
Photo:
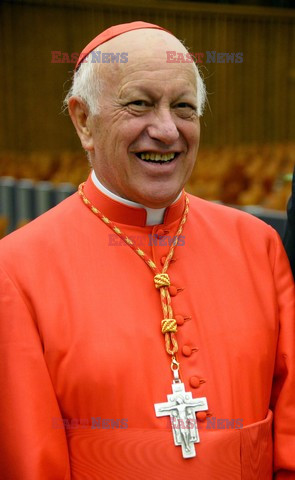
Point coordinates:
[(181, 407)]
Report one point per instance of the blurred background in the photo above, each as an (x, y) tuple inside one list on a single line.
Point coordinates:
[(247, 150)]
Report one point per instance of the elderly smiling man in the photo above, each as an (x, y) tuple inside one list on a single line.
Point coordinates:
[(161, 359)]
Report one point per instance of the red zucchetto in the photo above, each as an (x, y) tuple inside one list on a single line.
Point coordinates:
[(114, 32)]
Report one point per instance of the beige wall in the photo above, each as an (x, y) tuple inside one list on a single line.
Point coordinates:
[(253, 101)]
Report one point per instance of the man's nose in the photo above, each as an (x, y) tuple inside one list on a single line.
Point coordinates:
[(163, 128)]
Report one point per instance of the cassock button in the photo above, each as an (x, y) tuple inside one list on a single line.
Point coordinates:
[(179, 320), (186, 350), (201, 416), (194, 382), (163, 260), (173, 290), (160, 233)]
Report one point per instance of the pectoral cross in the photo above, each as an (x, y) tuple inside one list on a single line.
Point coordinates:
[(181, 407)]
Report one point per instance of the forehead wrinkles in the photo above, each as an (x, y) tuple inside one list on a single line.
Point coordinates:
[(150, 75), (156, 88)]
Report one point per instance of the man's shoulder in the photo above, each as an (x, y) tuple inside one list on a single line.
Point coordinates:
[(43, 229), (227, 218)]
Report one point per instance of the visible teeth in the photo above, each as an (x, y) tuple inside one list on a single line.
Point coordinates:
[(157, 157)]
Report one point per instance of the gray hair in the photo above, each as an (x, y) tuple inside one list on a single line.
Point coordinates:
[(86, 85)]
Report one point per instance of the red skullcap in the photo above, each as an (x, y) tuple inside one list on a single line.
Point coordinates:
[(114, 32)]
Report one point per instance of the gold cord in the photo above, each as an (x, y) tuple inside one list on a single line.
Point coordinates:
[(161, 279)]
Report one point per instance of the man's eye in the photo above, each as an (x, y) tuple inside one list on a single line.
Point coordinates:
[(185, 110), (185, 105), (139, 103)]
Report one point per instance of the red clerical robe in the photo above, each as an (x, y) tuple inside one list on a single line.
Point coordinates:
[(83, 359)]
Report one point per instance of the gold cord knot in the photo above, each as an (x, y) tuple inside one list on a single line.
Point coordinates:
[(162, 280), (169, 325)]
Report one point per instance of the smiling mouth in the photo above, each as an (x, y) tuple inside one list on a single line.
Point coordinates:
[(152, 157)]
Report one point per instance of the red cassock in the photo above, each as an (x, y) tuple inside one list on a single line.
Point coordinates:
[(83, 359)]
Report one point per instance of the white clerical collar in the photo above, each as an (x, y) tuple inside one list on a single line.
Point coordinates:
[(154, 216)]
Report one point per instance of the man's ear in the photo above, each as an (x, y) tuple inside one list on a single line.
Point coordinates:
[(79, 113)]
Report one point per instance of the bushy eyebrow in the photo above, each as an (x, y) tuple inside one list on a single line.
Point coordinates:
[(134, 91), (186, 96), (143, 90)]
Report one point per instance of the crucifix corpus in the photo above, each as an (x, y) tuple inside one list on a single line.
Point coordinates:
[(181, 407)]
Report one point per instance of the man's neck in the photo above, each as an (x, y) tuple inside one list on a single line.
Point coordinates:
[(155, 216)]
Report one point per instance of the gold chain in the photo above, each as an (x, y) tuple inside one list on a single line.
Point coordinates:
[(161, 279)]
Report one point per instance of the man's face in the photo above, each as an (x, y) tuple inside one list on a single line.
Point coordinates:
[(146, 135)]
